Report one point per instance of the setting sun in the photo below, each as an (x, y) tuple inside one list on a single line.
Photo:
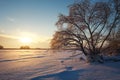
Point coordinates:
[(25, 40)]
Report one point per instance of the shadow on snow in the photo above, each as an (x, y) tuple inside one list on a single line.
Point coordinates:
[(65, 75)]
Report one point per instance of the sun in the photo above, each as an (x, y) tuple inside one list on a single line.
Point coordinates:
[(25, 40)]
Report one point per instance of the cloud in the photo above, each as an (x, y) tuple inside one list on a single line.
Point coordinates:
[(8, 36), (10, 19)]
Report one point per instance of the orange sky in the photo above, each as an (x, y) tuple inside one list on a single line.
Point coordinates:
[(9, 41)]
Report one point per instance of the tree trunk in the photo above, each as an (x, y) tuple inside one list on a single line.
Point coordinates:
[(95, 58)]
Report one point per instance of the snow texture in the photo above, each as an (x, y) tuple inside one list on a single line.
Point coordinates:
[(53, 65)]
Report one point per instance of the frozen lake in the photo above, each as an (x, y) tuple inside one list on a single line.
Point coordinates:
[(20, 64), (26, 64), (12, 58)]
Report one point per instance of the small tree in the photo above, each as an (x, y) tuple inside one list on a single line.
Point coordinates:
[(1, 47), (88, 26)]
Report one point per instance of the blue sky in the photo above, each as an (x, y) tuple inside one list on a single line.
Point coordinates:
[(30, 18)]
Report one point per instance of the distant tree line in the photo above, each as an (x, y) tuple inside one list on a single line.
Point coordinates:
[(24, 47)]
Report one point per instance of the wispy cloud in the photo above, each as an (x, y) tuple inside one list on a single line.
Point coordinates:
[(10, 19), (8, 36)]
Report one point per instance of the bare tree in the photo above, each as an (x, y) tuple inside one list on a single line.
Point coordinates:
[(89, 25), (63, 40)]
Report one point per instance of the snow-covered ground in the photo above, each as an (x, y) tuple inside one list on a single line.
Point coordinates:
[(53, 65)]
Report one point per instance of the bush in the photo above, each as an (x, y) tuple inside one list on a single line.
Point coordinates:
[(1, 47), (24, 47)]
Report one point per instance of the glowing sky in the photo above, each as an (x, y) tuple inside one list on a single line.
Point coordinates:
[(29, 18)]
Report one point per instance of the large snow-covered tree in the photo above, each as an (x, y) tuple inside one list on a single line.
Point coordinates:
[(88, 27)]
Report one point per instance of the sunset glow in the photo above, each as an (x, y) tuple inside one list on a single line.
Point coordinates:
[(29, 22), (25, 40)]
